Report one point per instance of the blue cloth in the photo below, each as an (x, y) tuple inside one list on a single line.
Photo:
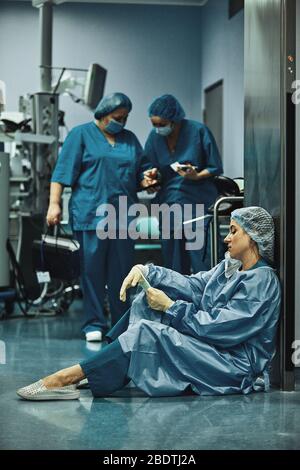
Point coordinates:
[(98, 172), (110, 103), (167, 107), (107, 370), (103, 262), (197, 146), (218, 337), (120, 327)]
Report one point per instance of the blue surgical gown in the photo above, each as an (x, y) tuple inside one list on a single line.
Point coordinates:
[(217, 338), (195, 145), (98, 172)]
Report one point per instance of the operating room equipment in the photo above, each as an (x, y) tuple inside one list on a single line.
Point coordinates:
[(32, 136), (4, 217)]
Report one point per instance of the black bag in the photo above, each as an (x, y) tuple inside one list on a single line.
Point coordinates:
[(59, 256)]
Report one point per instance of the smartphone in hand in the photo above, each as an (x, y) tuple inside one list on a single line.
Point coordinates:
[(186, 167), (182, 166)]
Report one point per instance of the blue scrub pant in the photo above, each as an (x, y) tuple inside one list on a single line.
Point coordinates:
[(103, 262), (107, 370), (177, 258)]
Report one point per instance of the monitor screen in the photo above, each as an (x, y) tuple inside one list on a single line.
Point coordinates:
[(94, 85)]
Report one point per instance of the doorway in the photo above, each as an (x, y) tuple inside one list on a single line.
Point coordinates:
[(213, 112)]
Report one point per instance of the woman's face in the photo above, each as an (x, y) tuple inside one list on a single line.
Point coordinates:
[(160, 122), (238, 241), (120, 115)]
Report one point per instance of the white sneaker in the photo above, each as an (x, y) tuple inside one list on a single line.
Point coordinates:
[(94, 336), (38, 391), (94, 346), (83, 384)]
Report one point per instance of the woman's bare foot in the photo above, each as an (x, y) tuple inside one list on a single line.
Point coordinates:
[(71, 375)]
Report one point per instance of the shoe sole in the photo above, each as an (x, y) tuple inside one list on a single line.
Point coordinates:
[(69, 396), (83, 384), (92, 340)]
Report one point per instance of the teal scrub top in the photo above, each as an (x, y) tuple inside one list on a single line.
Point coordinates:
[(98, 172), (196, 145)]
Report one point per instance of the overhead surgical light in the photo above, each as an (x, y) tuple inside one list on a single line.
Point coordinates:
[(91, 87), (67, 83)]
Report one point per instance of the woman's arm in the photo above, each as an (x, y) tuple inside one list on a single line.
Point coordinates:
[(244, 315), (214, 164), (173, 284), (68, 165), (54, 210), (66, 172), (142, 165), (176, 285)]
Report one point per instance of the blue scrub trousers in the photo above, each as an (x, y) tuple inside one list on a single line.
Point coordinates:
[(177, 258), (107, 370), (103, 262)]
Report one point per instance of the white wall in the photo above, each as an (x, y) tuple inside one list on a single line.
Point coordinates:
[(222, 57)]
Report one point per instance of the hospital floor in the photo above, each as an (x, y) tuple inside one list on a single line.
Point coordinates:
[(128, 419)]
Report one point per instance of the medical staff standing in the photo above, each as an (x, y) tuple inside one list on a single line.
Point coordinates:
[(100, 161), (176, 139)]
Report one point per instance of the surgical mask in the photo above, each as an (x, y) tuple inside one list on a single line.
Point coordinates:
[(231, 265), (114, 127), (164, 131)]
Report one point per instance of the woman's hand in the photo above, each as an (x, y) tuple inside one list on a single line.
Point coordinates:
[(158, 300), (150, 179), (131, 280), (191, 173), (53, 214)]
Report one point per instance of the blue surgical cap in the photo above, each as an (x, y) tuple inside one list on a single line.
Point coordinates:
[(167, 107), (110, 103), (259, 225)]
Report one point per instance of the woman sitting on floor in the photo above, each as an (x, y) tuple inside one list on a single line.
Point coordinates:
[(211, 333)]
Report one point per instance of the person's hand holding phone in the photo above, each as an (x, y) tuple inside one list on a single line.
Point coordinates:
[(188, 171), (151, 181)]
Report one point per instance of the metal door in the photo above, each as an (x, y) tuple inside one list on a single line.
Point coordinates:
[(270, 145)]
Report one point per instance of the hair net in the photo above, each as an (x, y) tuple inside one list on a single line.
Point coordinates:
[(259, 225), (110, 103), (167, 107)]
